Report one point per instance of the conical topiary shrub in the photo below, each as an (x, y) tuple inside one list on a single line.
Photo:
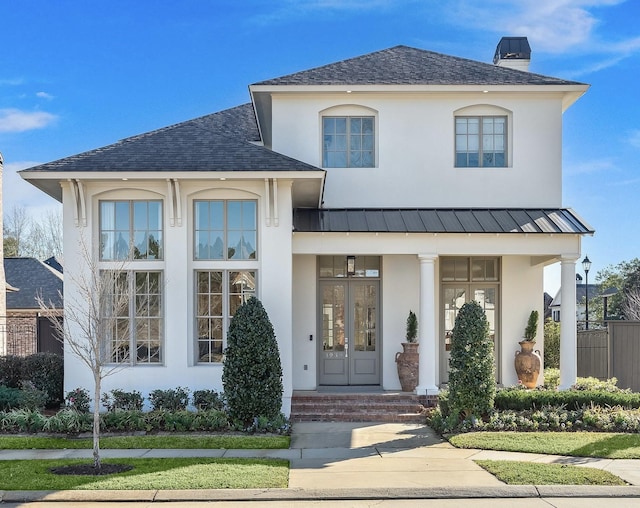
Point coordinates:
[(472, 379), (252, 373)]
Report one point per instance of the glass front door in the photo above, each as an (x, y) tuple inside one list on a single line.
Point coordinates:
[(349, 327)]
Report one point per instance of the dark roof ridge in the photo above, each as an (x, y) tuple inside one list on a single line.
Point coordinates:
[(443, 70)]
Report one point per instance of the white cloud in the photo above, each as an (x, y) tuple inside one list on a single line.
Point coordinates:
[(44, 95), (15, 120), (11, 82), (634, 138), (552, 26)]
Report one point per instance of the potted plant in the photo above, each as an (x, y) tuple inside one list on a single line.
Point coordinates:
[(407, 361), (527, 361)]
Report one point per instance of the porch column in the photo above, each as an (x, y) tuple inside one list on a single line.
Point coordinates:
[(427, 326), (568, 328)]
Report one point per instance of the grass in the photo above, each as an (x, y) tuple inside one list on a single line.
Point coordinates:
[(576, 444), (533, 473), (132, 442), (149, 474)]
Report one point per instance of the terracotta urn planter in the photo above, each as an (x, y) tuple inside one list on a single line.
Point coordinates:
[(527, 363), (407, 363)]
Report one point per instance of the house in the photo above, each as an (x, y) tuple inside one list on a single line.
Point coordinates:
[(342, 196), (27, 330), (593, 290)]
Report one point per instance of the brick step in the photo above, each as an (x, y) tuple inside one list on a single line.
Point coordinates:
[(357, 407)]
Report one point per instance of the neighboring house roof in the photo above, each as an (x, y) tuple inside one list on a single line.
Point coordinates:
[(581, 292), (223, 141), (54, 263), (440, 220), (32, 278), (403, 65)]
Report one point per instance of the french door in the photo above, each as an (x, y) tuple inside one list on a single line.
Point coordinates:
[(349, 328), (454, 297)]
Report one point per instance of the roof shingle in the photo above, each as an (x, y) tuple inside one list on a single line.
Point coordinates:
[(403, 65)]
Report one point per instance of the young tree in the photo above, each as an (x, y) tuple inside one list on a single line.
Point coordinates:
[(3, 281), (38, 237), (16, 228), (472, 380), (252, 373), (96, 301)]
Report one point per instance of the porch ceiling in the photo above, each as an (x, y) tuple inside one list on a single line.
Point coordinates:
[(440, 220)]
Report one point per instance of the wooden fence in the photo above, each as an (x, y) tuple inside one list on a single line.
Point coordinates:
[(611, 352)]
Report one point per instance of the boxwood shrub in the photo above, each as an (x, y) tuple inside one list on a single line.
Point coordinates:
[(520, 399)]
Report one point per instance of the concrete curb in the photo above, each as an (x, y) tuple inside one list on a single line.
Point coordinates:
[(151, 496)]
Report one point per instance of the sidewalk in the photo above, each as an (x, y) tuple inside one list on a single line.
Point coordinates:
[(355, 461)]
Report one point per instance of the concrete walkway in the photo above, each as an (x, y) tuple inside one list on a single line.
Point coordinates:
[(356, 461)]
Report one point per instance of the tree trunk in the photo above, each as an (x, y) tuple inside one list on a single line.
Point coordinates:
[(96, 423)]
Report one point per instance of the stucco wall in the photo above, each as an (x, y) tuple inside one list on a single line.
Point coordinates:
[(274, 286), (415, 149)]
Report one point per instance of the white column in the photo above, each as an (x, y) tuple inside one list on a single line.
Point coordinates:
[(427, 324), (568, 330)]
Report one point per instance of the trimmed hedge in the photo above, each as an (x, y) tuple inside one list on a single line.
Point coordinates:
[(45, 371), (520, 400), (252, 373)]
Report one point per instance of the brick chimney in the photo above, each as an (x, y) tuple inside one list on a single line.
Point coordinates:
[(513, 52)]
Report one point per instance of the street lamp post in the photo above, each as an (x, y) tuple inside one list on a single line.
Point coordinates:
[(586, 265)]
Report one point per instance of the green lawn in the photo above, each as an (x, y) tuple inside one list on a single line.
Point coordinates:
[(576, 444), (182, 473), (132, 442), (533, 473)]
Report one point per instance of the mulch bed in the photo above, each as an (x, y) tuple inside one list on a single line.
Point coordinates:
[(91, 470)]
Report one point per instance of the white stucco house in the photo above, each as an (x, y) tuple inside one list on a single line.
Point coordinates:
[(342, 196)]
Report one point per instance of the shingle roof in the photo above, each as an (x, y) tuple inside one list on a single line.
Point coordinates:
[(221, 141), (403, 65), (439, 220), (31, 277)]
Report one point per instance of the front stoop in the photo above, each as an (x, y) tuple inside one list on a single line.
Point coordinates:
[(387, 407)]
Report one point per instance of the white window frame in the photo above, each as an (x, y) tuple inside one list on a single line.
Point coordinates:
[(132, 341), (482, 137), (226, 230), (211, 354), (130, 230)]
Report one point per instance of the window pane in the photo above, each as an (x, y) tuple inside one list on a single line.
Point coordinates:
[(122, 215), (341, 125), (473, 125), (234, 214), (249, 215), (355, 125), (140, 215), (367, 126), (461, 125)]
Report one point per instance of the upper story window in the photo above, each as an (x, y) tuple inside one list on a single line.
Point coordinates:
[(131, 230), (481, 141), (225, 229), (348, 141)]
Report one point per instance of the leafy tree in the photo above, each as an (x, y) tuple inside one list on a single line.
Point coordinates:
[(472, 379), (625, 277), (252, 373), (551, 344)]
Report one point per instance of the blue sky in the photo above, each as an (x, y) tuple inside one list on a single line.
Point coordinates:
[(77, 75)]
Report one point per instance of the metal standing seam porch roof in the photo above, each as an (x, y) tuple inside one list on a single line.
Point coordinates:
[(440, 220)]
